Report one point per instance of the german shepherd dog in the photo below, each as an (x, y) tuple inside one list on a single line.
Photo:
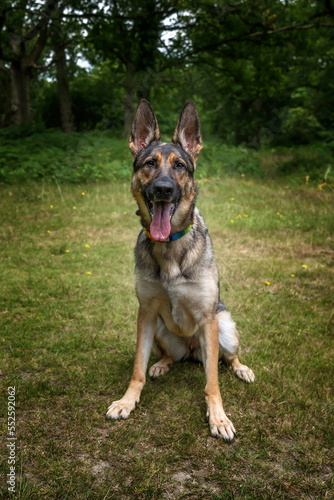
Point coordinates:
[(180, 312)]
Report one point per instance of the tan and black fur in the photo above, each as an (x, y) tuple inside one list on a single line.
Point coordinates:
[(180, 313)]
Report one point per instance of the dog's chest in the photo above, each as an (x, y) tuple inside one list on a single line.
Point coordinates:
[(162, 274), (183, 298), (170, 269)]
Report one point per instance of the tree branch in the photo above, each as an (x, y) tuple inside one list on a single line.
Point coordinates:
[(50, 6), (250, 35), (39, 45)]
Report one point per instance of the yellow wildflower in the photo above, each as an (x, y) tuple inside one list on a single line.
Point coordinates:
[(67, 251), (124, 213), (87, 246), (83, 194), (51, 206), (232, 221), (267, 282), (292, 275), (245, 215), (74, 208), (232, 199), (304, 266), (88, 272)]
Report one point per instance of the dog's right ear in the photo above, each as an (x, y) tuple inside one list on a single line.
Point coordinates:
[(188, 131), (145, 128)]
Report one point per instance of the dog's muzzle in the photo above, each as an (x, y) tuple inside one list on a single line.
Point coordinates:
[(163, 189), (163, 199)]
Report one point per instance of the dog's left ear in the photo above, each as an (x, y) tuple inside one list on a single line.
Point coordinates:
[(188, 131), (145, 128)]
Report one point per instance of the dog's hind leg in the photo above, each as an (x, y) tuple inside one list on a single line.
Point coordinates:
[(161, 367), (229, 346), (167, 345)]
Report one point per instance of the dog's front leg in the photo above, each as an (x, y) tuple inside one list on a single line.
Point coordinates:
[(146, 327), (220, 425)]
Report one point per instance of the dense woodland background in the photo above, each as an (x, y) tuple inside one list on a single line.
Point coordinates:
[(260, 71)]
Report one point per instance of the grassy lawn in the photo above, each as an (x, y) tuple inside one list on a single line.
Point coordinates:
[(68, 315)]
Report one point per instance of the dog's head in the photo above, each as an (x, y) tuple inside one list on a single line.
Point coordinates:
[(163, 173)]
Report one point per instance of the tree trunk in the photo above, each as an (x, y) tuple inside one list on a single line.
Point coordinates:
[(20, 93), (130, 97), (63, 91), (5, 98), (134, 92), (129, 110)]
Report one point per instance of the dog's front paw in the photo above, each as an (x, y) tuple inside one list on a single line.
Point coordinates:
[(120, 410), (244, 373), (222, 427)]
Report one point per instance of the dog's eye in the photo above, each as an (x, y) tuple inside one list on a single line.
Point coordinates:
[(150, 163), (179, 165)]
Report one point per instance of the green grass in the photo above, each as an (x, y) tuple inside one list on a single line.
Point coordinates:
[(68, 343)]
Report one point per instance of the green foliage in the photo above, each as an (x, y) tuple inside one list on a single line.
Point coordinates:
[(218, 160), (9, 134), (55, 156), (301, 127), (99, 155), (248, 66), (315, 161)]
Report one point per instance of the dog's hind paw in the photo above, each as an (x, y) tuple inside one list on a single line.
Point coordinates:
[(157, 370), (161, 367), (119, 410), (244, 373)]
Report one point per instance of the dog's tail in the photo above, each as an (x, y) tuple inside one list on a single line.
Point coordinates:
[(228, 334)]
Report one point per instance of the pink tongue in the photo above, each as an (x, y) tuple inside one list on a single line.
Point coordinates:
[(160, 225)]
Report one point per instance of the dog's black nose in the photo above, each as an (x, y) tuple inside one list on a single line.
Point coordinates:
[(164, 189)]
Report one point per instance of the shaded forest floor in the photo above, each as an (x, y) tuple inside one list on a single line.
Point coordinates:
[(68, 315)]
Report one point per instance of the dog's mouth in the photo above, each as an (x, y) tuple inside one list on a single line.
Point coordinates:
[(161, 214)]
